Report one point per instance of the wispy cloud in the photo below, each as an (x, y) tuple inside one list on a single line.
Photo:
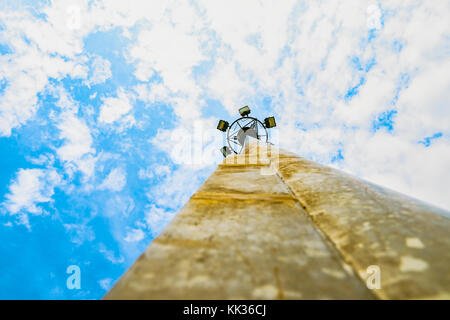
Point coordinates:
[(134, 235), (114, 108), (115, 181), (100, 71), (30, 188)]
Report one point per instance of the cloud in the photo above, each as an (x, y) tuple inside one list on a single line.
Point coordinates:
[(318, 54), (76, 152), (154, 92), (100, 71), (331, 69), (157, 218), (80, 233), (134, 235), (157, 48), (306, 56), (78, 140), (31, 40), (115, 181), (106, 284), (156, 171), (157, 51), (399, 164), (193, 144), (242, 69), (110, 255), (31, 188), (114, 108), (43, 159)]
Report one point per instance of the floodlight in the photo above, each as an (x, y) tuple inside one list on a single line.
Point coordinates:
[(223, 125), (225, 151), (270, 122), (244, 111)]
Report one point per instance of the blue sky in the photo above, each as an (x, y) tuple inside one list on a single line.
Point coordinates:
[(103, 104)]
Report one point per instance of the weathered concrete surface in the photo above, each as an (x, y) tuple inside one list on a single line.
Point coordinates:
[(303, 232), (369, 225)]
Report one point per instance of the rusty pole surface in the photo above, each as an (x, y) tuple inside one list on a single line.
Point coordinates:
[(268, 224)]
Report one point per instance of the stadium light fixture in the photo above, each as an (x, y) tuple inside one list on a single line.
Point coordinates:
[(223, 125), (244, 111), (225, 151), (270, 122)]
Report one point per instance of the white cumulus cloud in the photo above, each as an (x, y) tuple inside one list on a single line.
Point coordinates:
[(134, 235), (30, 188), (157, 218), (101, 71), (114, 108), (115, 181)]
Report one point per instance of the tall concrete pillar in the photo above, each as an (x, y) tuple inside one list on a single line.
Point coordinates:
[(268, 224)]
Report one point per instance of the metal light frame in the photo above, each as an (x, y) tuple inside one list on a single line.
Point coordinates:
[(246, 121)]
